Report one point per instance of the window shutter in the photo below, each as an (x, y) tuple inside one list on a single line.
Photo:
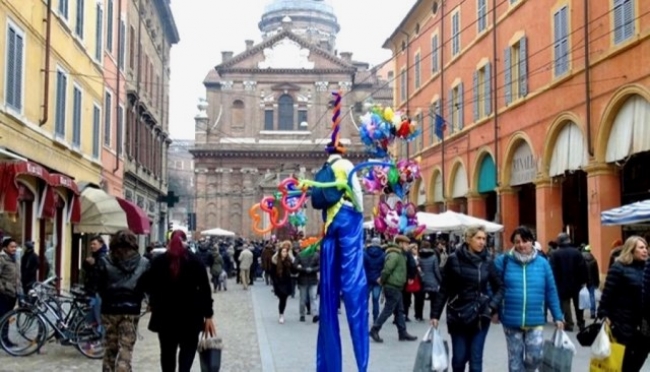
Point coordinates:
[(628, 19), (99, 28), (475, 102), (565, 39), (557, 38), (461, 107), (432, 123), (451, 111), (487, 85), (507, 75), (434, 53), (11, 66), (523, 67)]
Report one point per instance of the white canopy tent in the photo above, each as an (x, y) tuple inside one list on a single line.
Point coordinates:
[(217, 232), (452, 221)]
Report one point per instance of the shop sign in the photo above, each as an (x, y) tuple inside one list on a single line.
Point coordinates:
[(524, 167)]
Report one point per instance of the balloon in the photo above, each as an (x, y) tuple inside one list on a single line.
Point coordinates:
[(267, 204), (285, 188), (281, 222), (257, 219)]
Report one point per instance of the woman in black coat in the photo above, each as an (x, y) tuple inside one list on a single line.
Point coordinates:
[(621, 304), (180, 301), (281, 272)]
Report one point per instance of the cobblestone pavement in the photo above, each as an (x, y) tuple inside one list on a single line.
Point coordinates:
[(235, 323)]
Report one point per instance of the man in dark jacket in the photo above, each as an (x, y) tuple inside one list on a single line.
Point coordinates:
[(373, 262), (28, 267), (90, 266), (393, 278), (593, 278), (570, 271), (307, 268)]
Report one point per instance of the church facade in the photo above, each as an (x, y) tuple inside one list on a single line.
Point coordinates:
[(267, 114)]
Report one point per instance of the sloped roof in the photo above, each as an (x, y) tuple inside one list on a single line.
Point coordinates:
[(285, 34)]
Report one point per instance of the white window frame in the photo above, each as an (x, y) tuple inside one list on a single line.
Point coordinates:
[(119, 132), (481, 18), (121, 43), (107, 123), (21, 32), (59, 9), (64, 72), (97, 145), (76, 86), (455, 33), (109, 13), (561, 62), (80, 31), (99, 34), (435, 55)]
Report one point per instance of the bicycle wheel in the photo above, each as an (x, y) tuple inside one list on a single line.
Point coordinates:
[(22, 332), (88, 340)]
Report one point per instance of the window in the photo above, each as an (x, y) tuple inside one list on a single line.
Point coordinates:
[(268, 119), (79, 25), (482, 104), (285, 112), (302, 120), (99, 32), (434, 110), (76, 117), (121, 45), (237, 112), (482, 15), (120, 130), (434, 54), (403, 88), (516, 71), (109, 26), (420, 140), (15, 69), (623, 20), (60, 104), (455, 33), (418, 71), (561, 41), (456, 107), (108, 122), (63, 8), (131, 47), (96, 130)]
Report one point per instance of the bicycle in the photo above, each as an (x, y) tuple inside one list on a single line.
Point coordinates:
[(37, 311)]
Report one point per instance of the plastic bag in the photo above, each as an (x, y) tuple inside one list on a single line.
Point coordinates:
[(584, 299), (439, 356), (563, 341), (602, 346)]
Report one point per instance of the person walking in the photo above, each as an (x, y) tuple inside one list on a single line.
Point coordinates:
[(468, 273), (29, 264), (431, 276), (217, 268), (10, 284), (373, 263), (180, 303), (307, 268), (282, 265), (593, 278), (120, 287), (98, 250), (245, 263), (570, 272)]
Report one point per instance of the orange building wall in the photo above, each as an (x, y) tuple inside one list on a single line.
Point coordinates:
[(616, 72)]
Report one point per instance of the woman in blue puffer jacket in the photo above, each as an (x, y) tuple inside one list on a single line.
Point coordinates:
[(529, 290)]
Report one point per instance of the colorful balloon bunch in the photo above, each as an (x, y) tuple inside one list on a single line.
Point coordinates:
[(399, 220), (381, 126), (397, 179)]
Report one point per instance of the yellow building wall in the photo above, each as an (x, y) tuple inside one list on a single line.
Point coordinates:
[(20, 131)]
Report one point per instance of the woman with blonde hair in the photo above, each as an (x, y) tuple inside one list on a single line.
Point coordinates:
[(621, 302), (282, 263), (470, 305)]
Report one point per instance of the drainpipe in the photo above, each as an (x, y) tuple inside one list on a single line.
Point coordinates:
[(441, 48), (495, 109), (46, 71), (590, 145), (118, 92), (406, 71)]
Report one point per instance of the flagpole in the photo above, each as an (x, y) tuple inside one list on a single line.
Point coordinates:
[(442, 148)]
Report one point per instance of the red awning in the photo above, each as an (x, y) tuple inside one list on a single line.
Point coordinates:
[(10, 185), (65, 182), (136, 218)]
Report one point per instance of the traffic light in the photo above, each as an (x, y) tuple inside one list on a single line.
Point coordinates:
[(171, 199), (191, 221)]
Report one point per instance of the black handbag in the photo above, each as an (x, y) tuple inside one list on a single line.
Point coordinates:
[(587, 335), (468, 311)]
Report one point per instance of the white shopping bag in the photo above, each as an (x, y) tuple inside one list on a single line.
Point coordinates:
[(584, 300), (602, 346), (562, 340), (439, 357)]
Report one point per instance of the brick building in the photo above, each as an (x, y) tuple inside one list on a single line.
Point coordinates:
[(267, 113), (545, 104)]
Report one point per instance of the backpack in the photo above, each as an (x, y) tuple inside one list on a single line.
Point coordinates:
[(323, 198)]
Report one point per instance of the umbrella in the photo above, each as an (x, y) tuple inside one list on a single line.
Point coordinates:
[(100, 213), (629, 214), (217, 232)]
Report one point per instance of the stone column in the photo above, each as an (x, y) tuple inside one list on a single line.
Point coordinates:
[(509, 212), (476, 205), (604, 190), (223, 202), (548, 205), (453, 205), (248, 187), (199, 199)]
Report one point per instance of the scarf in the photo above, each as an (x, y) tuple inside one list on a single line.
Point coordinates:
[(524, 258)]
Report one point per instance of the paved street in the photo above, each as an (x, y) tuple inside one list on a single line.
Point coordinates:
[(255, 342)]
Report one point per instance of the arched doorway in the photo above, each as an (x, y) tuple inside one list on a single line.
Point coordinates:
[(458, 188), (520, 170), (568, 158), (419, 198), (437, 188), (486, 184)]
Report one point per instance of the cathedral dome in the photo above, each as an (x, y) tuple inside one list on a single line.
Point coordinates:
[(313, 19)]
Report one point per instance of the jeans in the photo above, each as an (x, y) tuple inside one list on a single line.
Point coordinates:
[(592, 299), (96, 311), (308, 297), (374, 291), (394, 305), (282, 304), (524, 348), (418, 305), (467, 347), (171, 342)]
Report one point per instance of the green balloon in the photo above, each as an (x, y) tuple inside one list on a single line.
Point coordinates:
[(393, 176)]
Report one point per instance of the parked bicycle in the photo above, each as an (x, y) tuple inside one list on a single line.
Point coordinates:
[(43, 315)]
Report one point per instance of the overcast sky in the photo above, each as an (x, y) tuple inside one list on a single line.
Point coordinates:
[(208, 27)]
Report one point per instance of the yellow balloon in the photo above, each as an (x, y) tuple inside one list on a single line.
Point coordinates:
[(388, 114), (375, 212)]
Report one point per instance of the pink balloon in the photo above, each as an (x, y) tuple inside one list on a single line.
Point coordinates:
[(380, 224)]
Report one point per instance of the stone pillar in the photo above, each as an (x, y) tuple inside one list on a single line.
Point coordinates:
[(199, 200), (248, 187), (453, 205), (604, 190), (476, 205), (223, 201), (509, 212), (548, 205)]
